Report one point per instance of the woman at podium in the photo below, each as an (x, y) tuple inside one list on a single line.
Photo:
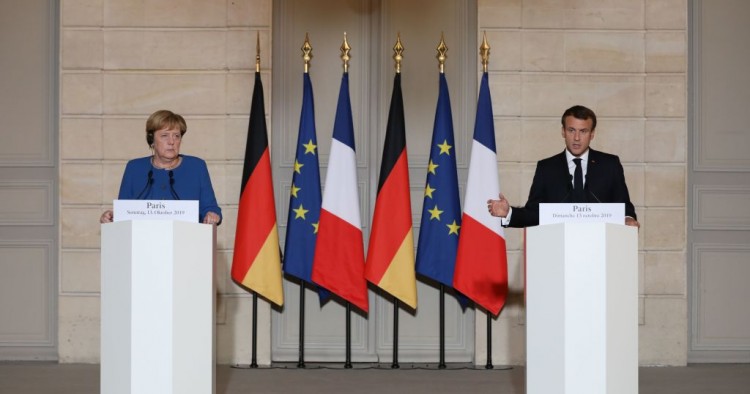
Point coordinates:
[(166, 174)]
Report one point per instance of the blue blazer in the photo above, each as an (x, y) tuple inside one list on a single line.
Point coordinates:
[(189, 181), (605, 182)]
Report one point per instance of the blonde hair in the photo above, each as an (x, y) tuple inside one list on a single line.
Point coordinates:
[(161, 119)]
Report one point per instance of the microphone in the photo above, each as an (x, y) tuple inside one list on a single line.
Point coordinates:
[(570, 190), (589, 190), (147, 188), (171, 186), (594, 195)]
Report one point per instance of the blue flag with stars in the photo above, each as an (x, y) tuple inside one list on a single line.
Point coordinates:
[(441, 210), (305, 196)]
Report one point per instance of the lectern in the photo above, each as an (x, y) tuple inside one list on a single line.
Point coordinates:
[(157, 307), (582, 309)]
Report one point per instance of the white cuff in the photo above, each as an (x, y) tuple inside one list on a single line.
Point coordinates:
[(506, 220)]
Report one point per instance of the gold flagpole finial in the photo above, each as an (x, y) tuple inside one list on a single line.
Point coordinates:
[(484, 51), (257, 53), (345, 49), (307, 53), (442, 49), (398, 53)]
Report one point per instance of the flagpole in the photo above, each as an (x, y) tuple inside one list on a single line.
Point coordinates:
[(442, 50), (301, 361), (489, 365), (484, 51), (398, 51), (394, 363), (348, 361), (441, 364), (306, 57), (254, 357)]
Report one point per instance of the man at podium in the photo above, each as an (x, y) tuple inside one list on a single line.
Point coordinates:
[(166, 174), (578, 174)]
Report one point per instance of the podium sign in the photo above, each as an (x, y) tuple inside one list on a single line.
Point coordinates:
[(182, 210), (582, 213), (582, 309)]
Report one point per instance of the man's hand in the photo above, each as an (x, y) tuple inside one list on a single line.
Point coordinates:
[(632, 222), (499, 207)]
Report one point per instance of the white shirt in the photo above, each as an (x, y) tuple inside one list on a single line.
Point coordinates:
[(572, 165)]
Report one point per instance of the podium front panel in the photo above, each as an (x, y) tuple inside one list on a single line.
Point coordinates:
[(158, 297), (582, 309)]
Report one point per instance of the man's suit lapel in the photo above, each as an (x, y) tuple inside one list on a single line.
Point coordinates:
[(593, 174), (593, 170), (562, 165), (562, 178)]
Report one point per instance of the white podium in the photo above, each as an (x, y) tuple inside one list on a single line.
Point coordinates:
[(582, 309), (157, 307)]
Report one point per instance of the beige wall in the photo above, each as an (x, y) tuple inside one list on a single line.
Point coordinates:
[(627, 60), (120, 61)]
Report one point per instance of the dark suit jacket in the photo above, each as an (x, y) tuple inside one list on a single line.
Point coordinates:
[(605, 182)]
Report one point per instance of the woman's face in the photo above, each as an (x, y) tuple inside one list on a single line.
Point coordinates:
[(167, 144)]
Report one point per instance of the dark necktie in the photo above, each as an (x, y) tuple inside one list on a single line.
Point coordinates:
[(578, 195)]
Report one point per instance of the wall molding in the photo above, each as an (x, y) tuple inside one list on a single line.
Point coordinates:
[(706, 198), (699, 341), (20, 208)]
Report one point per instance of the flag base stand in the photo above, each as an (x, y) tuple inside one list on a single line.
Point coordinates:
[(348, 362), (441, 364), (383, 366), (489, 365)]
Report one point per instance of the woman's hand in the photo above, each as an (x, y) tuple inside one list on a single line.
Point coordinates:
[(211, 218), (106, 217)]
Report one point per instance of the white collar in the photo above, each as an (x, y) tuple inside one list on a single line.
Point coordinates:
[(584, 157)]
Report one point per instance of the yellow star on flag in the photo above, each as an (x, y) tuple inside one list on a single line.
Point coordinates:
[(310, 147), (428, 191), (297, 166), (300, 212), (453, 228), (435, 213), (295, 189), (315, 226), (431, 167), (445, 148)]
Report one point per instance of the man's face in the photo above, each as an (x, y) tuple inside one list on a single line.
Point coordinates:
[(578, 134)]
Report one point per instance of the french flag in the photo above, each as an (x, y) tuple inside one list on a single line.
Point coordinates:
[(481, 263), (339, 263)]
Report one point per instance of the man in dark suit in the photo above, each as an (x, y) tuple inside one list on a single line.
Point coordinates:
[(578, 174)]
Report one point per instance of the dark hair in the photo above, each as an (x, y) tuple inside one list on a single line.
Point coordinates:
[(161, 119), (579, 112)]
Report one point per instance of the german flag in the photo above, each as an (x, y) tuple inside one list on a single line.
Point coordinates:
[(390, 257), (257, 259)]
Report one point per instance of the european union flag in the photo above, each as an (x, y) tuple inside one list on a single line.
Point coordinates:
[(305, 198), (441, 210)]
